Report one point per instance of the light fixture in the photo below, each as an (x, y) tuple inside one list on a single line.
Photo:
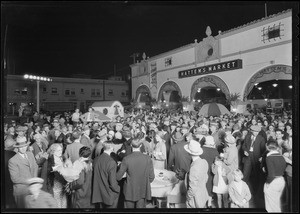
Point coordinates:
[(256, 83), (199, 89), (194, 100), (199, 101), (26, 76), (275, 85), (218, 89), (290, 86), (266, 99), (259, 88)]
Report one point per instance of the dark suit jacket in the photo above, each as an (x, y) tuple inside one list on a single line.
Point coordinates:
[(259, 147), (20, 170), (81, 198), (179, 158), (139, 174), (105, 185), (36, 150)]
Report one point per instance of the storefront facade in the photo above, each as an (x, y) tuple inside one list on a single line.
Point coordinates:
[(232, 61)]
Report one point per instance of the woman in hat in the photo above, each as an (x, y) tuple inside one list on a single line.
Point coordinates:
[(159, 153), (197, 194), (231, 158), (55, 181)]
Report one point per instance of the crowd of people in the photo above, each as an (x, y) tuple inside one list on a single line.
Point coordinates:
[(74, 161)]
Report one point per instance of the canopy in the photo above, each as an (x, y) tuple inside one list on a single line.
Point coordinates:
[(213, 109)]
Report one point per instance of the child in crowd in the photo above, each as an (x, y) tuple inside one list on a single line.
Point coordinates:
[(239, 191), (220, 181)]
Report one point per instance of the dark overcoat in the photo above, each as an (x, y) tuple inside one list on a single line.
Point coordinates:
[(139, 174), (105, 185)]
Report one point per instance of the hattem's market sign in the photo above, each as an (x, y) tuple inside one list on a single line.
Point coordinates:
[(224, 66)]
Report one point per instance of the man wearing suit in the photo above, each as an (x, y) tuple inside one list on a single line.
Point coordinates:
[(21, 166), (85, 138), (139, 174), (179, 158), (254, 148), (72, 150), (8, 187), (105, 186)]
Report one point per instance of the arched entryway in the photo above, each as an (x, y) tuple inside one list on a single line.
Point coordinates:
[(143, 89), (273, 72), (168, 87), (209, 81)]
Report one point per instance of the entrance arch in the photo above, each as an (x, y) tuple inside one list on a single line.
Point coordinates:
[(168, 86), (141, 89), (280, 72), (209, 81)]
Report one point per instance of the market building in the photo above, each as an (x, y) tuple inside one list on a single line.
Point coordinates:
[(234, 61), (63, 94)]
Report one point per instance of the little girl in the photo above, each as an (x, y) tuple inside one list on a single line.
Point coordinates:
[(239, 191), (220, 181)]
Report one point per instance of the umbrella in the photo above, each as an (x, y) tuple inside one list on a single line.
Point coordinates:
[(213, 109), (101, 117)]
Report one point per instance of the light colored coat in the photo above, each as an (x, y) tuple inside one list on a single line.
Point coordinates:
[(237, 198), (20, 170), (197, 194)]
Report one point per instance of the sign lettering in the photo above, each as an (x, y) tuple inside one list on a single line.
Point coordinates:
[(224, 66)]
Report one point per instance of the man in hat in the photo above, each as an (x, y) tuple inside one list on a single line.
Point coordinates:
[(8, 154), (254, 147), (139, 174), (72, 150), (209, 154), (126, 148), (192, 126), (179, 158), (197, 194), (21, 166), (21, 131), (38, 198), (214, 128), (85, 137), (105, 186), (102, 136)]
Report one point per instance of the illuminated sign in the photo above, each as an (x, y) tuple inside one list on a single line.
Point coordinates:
[(224, 66)]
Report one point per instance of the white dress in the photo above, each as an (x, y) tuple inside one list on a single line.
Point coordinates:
[(222, 187)]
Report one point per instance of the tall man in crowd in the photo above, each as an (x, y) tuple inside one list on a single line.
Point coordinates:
[(22, 166), (139, 174), (105, 186)]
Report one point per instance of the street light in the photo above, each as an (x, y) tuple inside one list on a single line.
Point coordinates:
[(38, 79)]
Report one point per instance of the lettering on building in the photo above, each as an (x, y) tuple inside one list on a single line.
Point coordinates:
[(224, 66)]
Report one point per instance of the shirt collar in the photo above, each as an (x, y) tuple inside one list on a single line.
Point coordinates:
[(272, 152)]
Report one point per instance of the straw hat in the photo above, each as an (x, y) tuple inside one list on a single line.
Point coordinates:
[(194, 148), (21, 129), (255, 128), (230, 139)]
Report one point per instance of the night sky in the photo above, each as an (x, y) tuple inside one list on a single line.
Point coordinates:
[(65, 38)]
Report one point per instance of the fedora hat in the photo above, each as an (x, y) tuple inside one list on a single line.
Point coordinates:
[(178, 136), (21, 129), (255, 128), (201, 131), (21, 141), (35, 180), (230, 139), (194, 148)]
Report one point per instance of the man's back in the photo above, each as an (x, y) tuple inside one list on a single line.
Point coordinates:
[(139, 174)]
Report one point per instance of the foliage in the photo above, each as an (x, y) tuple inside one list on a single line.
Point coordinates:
[(233, 97), (185, 99)]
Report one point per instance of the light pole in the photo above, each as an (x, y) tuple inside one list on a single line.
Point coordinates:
[(38, 79)]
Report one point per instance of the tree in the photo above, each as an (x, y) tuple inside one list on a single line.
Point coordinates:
[(233, 100)]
